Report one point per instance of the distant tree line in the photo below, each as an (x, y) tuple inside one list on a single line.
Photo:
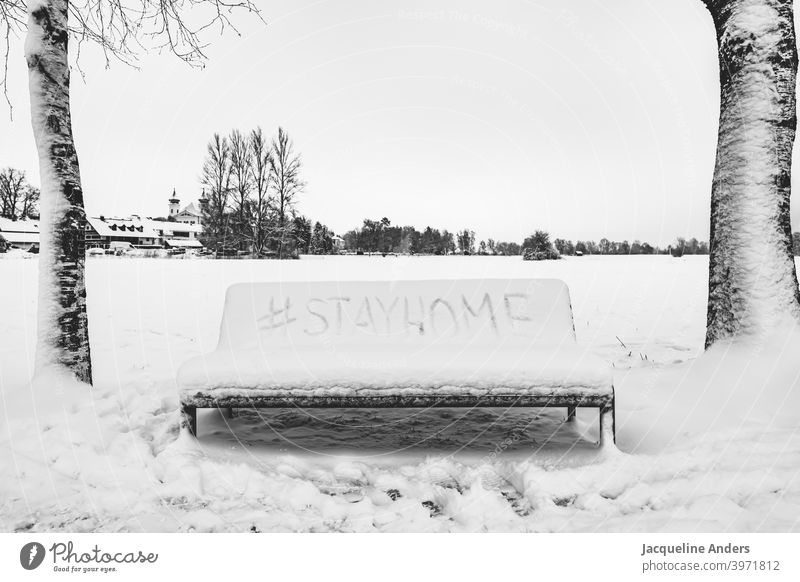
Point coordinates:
[(251, 189), (380, 236), (18, 199), (608, 247)]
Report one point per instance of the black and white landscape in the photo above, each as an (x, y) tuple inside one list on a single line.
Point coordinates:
[(639, 151)]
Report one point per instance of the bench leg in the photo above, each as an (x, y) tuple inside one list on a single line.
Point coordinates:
[(189, 419), (607, 422), (228, 412), (571, 413)]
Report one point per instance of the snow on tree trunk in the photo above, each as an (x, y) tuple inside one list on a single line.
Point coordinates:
[(63, 338), (752, 280)]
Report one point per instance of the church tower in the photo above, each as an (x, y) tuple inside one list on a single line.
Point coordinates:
[(174, 205), (203, 201)]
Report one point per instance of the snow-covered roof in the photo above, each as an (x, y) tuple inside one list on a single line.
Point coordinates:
[(8, 225), (184, 243), (122, 227), (20, 237), (190, 209)]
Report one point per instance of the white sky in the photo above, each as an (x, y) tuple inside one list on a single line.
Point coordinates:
[(588, 118)]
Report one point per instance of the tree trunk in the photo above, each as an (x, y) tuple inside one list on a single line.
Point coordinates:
[(63, 338), (752, 280), (280, 234)]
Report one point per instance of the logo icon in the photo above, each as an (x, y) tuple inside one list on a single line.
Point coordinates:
[(31, 555)]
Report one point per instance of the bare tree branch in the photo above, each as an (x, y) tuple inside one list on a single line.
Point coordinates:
[(126, 29), (13, 15)]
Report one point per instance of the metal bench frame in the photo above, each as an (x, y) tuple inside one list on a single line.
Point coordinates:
[(603, 402)]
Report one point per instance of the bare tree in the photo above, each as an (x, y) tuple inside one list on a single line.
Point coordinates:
[(30, 203), (261, 178), (241, 172), (63, 332), (12, 183), (752, 279), (216, 176), (18, 199), (286, 185), (120, 28)]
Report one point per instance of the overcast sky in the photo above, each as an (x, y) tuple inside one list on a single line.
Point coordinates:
[(589, 118)]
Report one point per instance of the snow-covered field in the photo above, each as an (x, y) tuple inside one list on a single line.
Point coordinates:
[(707, 443)]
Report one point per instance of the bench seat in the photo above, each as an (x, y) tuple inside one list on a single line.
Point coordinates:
[(359, 344), (357, 372)]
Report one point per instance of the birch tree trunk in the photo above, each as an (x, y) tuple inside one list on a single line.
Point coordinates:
[(63, 338), (752, 280)]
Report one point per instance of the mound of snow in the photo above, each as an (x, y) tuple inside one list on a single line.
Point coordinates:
[(733, 387)]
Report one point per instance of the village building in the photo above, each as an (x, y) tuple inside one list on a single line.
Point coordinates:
[(19, 234), (177, 234), (102, 231), (182, 229), (190, 214)]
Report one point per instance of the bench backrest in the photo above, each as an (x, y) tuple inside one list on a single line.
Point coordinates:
[(477, 312)]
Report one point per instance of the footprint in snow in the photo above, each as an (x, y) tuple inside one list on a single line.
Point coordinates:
[(351, 490), (432, 507), (492, 480), (438, 475), (393, 494)]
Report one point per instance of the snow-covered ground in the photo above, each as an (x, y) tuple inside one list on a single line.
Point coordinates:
[(707, 443)]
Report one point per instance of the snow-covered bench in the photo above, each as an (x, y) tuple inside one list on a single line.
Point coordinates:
[(377, 344)]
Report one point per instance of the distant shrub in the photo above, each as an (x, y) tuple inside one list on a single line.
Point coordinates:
[(546, 255), (538, 247)]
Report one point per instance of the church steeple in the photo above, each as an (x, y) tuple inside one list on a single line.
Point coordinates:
[(174, 204), (203, 202)]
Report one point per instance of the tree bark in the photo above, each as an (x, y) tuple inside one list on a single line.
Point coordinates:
[(752, 279), (63, 337)]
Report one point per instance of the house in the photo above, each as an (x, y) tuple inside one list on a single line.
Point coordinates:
[(142, 233), (102, 231), (176, 234), (20, 234)]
